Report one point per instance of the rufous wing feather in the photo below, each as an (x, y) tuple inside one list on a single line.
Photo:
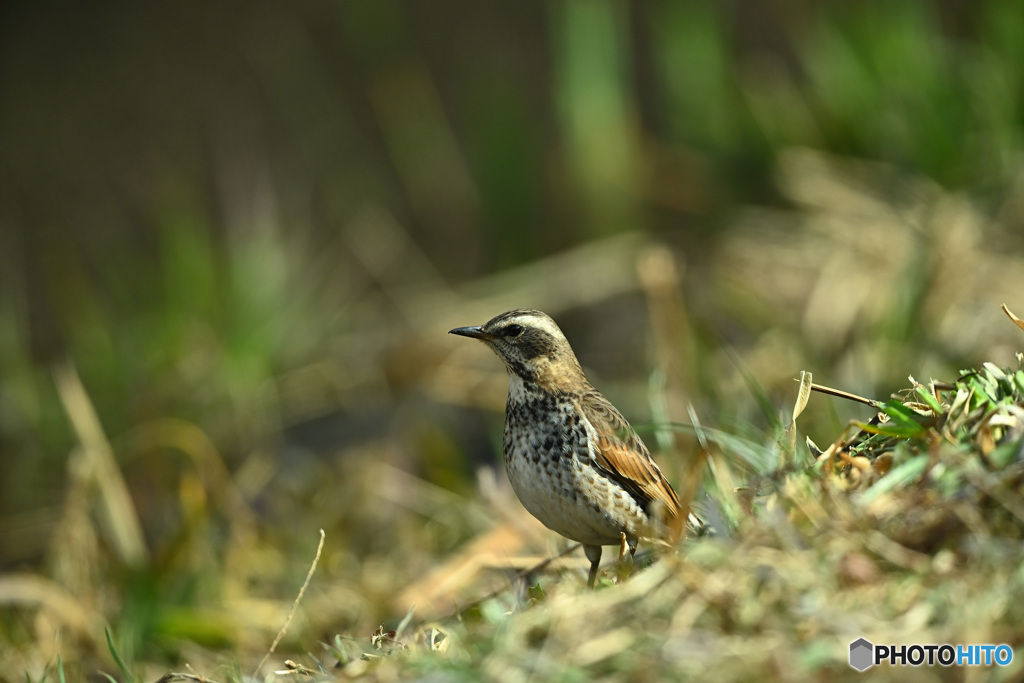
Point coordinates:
[(623, 456)]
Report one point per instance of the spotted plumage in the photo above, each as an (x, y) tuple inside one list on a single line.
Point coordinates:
[(572, 459)]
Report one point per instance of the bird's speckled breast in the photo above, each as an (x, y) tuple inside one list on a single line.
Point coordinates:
[(551, 467)]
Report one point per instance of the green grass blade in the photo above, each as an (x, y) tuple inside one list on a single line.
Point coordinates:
[(929, 398), (899, 476), (891, 430), (117, 658)]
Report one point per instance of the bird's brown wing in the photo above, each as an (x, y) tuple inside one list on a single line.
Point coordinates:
[(623, 456)]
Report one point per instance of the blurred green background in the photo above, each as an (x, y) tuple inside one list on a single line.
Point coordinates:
[(247, 228)]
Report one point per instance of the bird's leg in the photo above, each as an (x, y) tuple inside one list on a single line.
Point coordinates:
[(593, 553), (626, 545)]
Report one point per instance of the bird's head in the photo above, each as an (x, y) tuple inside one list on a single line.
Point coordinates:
[(532, 348)]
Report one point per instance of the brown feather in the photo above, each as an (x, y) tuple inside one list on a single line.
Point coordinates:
[(625, 458)]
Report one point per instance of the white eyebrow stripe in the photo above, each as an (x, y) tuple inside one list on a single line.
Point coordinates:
[(542, 323)]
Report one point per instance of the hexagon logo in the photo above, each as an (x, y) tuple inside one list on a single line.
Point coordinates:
[(861, 654)]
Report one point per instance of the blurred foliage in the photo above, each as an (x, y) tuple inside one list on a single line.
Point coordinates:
[(232, 238)]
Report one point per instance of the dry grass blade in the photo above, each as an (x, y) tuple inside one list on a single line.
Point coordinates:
[(126, 531), (295, 605), (177, 676), (845, 394), (1017, 321), (802, 397)]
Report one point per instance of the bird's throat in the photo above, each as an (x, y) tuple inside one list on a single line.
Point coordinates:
[(548, 377)]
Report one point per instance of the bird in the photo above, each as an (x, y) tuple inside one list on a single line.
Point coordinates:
[(573, 460)]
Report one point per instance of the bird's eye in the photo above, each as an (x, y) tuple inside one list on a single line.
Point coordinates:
[(512, 331)]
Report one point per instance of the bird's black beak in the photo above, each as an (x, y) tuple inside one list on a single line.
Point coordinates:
[(476, 332)]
